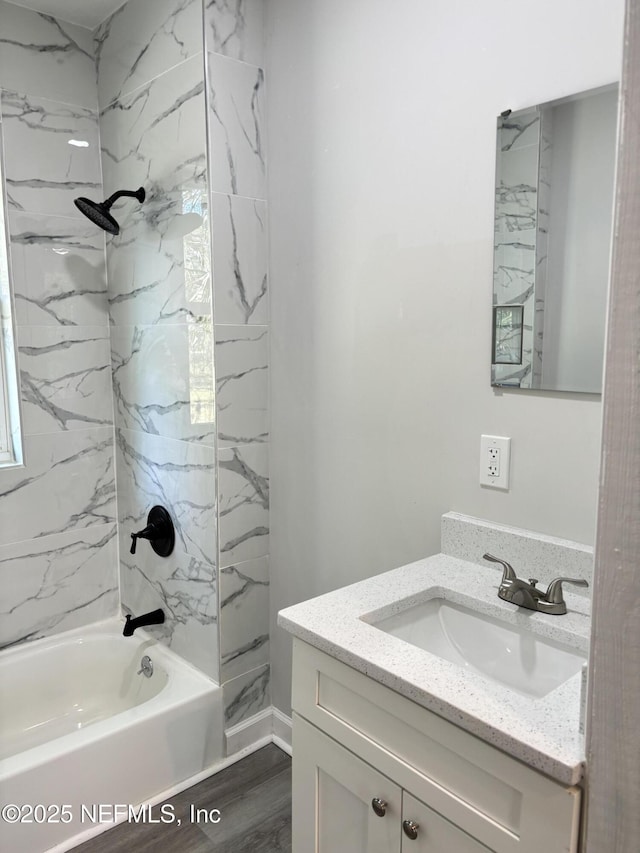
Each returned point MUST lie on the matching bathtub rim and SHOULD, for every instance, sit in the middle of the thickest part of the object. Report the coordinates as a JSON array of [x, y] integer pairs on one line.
[[113, 626]]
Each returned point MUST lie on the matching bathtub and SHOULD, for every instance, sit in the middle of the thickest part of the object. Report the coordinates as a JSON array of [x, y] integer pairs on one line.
[[81, 728]]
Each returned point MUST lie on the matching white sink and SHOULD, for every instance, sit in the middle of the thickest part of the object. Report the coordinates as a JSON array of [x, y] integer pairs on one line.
[[517, 658]]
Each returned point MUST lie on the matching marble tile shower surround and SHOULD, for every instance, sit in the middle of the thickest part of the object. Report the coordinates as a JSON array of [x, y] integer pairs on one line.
[[246, 695], [58, 512], [153, 133], [158, 268], [56, 583], [46, 171], [235, 28], [151, 92], [236, 127], [244, 617], [516, 222], [240, 258], [176, 474], [183, 586], [158, 374], [154, 137], [243, 516], [65, 377], [58, 271], [67, 483], [153, 469], [45, 57], [141, 41], [162, 289], [242, 362]]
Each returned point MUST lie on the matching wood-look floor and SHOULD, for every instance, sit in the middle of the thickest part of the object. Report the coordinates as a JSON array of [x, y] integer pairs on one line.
[[254, 801]]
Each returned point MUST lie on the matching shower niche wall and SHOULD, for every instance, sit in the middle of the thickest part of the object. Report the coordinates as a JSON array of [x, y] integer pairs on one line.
[[144, 355]]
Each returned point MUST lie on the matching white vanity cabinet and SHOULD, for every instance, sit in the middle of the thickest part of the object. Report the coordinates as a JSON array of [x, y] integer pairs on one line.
[[358, 745], [334, 812]]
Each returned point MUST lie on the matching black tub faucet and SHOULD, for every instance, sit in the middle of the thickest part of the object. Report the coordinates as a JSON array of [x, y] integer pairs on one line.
[[154, 617]]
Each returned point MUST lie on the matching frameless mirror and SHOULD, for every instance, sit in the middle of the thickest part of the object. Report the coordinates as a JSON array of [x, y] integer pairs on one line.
[[555, 173]]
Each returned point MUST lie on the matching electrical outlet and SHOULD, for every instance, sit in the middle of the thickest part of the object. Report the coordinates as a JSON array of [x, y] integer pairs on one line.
[[495, 458], [493, 461]]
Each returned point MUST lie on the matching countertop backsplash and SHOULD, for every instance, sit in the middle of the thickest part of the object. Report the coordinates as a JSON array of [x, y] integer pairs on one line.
[[532, 555]]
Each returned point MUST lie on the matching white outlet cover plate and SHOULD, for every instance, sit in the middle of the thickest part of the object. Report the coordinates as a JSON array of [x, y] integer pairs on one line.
[[503, 446]]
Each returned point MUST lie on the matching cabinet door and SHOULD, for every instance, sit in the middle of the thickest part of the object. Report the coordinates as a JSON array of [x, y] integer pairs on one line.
[[434, 834], [333, 792]]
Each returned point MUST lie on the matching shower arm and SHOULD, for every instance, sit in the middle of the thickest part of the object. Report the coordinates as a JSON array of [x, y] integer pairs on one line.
[[120, 193]]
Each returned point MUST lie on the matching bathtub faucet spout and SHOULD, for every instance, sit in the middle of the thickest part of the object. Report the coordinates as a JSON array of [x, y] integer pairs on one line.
[[155, 617]]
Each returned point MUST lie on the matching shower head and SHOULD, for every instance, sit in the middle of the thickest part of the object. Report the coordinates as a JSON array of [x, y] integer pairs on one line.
[[98, 212]]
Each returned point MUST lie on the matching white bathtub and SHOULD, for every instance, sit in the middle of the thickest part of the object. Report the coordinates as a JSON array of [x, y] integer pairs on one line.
[[80, 728]]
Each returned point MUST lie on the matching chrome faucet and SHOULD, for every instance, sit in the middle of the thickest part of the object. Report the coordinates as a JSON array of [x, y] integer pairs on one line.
[[517, 591]]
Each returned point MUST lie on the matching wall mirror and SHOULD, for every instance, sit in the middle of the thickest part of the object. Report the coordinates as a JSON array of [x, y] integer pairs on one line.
[[555, 171]]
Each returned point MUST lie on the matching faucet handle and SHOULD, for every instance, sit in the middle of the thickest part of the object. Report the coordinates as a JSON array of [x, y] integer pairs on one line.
[[159, 531], [554, 592], [508, 574], [134, 542]]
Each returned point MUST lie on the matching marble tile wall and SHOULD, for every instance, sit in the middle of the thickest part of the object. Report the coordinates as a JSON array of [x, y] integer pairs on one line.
[[58, 567], [515, 234], [153, 134], [545, 158], [235, 89]]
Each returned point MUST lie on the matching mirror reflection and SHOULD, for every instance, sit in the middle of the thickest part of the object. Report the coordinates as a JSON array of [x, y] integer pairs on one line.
[[555, 173]]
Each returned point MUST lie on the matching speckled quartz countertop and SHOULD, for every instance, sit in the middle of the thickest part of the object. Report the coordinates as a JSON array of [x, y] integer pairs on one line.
[[542, 732]]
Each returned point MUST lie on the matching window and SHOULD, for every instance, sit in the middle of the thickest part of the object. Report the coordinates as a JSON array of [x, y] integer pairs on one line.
[[10, 444], [6, 450]]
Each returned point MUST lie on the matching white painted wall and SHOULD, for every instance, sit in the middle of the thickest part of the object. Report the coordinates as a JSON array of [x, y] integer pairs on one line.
[[381, 169]]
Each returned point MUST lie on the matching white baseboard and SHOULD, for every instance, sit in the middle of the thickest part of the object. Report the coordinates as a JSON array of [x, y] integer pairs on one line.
[[268, 726], [250, 731], [282, 730]]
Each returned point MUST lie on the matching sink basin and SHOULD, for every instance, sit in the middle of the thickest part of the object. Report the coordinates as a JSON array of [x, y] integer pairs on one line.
[[517, 658]]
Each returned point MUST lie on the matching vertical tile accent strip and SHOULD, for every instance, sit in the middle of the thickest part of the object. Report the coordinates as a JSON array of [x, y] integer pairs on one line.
[[235, 92]]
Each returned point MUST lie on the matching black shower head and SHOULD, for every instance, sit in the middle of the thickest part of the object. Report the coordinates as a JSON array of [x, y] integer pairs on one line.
[[98, 212]]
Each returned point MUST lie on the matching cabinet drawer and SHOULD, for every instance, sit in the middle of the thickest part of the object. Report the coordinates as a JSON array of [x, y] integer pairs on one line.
[[503, 803]]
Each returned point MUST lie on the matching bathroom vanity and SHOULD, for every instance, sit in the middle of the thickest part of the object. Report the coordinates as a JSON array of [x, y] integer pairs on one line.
[[399, 745]]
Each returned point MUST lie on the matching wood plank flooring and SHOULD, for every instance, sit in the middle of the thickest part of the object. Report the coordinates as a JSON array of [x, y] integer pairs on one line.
[[254, 801]]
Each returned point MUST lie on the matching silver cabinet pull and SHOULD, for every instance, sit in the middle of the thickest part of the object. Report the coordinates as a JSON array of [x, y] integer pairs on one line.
[[379, 806], [410, 828]]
